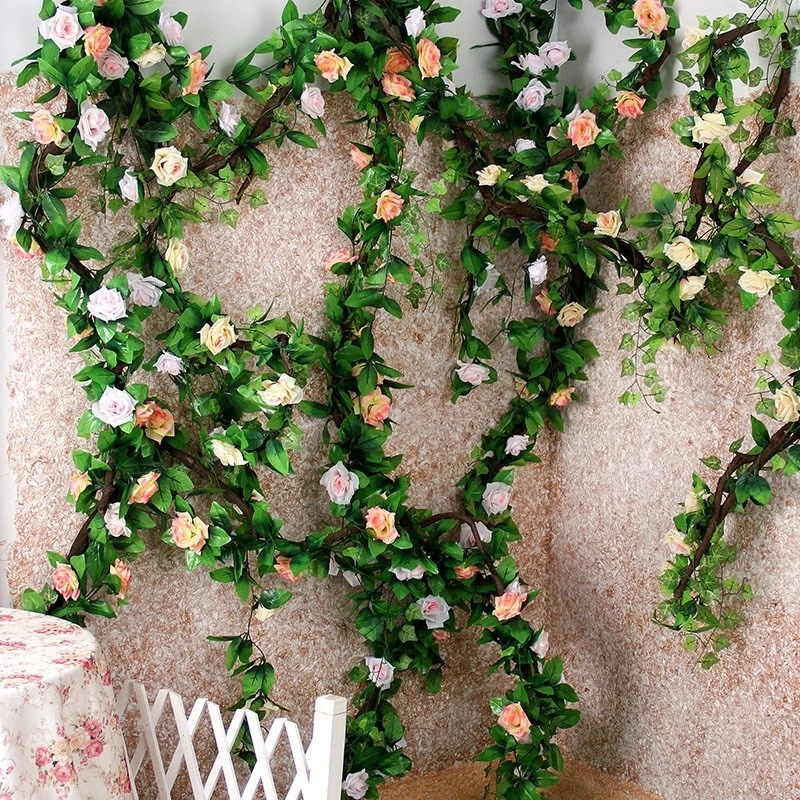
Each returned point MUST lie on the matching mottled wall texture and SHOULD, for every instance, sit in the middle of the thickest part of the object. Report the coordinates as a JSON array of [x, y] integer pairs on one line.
[[593, 514]]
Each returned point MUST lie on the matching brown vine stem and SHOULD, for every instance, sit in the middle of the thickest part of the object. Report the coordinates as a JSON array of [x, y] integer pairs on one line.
[[82, 539], [779, 441]]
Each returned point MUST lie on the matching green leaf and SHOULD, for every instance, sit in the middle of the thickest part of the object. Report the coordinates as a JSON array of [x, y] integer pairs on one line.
[[303, 139], [274, 598], [142, 7], [760, 432], [753, 487], [277, 457], [663, 199], [158, 131]]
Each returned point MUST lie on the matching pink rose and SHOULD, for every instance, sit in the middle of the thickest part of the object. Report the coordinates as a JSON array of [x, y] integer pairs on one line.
[[145, 291], [415, 21], [404, 574], [429, 58], [467, 537], [381, 672], [381, 523], [340, 484], [390, 205], [312, 102], [171, 29], [62, 28], [121, 570], [530, 62], [473, 374], [144, 488], [396, 61], [629, 105], [583, 130], [97, 40], [189, 533], [42, 756], [561, 398], [650, 16], [555, 54], [497, 9], [229, 119], [115, 524], [508, 605], [112, 66], [115, 407], [532, 97], [169, 364], [65, 582], [45, 128], [94, 748], [197, 74], [355, 784], [107, 305], [514, 721], [398, 86], [129, 186], [361, 159], [374, 408], [435, 611], [496, 497], [63, 773], [517, 444]]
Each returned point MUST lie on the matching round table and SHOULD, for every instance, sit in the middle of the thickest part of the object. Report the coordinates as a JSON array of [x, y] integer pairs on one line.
[[60, 738]]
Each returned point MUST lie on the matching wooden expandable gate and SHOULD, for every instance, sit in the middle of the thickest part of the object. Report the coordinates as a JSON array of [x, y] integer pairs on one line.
[[318, 768]]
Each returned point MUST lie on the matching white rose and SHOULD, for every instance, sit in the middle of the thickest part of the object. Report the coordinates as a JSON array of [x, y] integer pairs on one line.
[[693, 36], [169, 364], [145, 291], [709, 127], [489, 282], [107, 305], [692, 504], [537, 271], [355, 784], [474, 374], [115, 524], [488, 176], [608, 223], [496, 497], [555, 54], [169, 165], [171, 28], [676, 542], [757, 282], [542, 644], [93, 125], [115, 407], [681, 251], [228, 454], [497, 9], [467, 537], [571, 315], [381, 672], [312, 102], [751, 177], [152, 56], [535, 183], [177, 257], [129, 187], [12, 215], [62, 28], [532, 63], [524, 144], [517, 444], [404, 574], [282, 392], [229, 118], [532, 97], [435, 611], [112, 66], [415, 22], [340, 484], [787, 405], [691, 286]]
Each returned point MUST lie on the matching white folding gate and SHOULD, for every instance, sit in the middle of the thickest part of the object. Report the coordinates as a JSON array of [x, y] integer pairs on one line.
[[317, 769]]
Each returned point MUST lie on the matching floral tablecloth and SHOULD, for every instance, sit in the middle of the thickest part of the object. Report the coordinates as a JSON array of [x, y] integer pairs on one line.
[[60, 737]]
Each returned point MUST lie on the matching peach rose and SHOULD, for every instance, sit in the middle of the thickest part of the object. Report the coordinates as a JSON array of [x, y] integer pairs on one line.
[[514, 720], [65, 582], [398, 86], [96, 40], [381, 523], [374, 408], [396, 61], [608, 223], [547, 242], [361, 159], [218, 336], [189, 533], [508, 605], [650, 16], [144, 488], [572, 178], [283, 566], [122, 571], [197, 74], [561, 398], [630, 105], [571, 315], [545, 303], [78, 481], [342, 256], [45, 128], [429, 58], [583, 130], [332, 66], [390, 205], [465, 573], [156, 421]]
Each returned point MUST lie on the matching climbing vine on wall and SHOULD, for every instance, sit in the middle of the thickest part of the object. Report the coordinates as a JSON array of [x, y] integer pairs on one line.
[[124, 87]]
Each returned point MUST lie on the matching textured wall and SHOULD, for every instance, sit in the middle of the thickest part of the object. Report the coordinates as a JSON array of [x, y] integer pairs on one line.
[[594, 513]]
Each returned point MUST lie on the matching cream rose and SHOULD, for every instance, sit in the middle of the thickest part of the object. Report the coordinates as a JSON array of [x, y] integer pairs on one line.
[[228, 454], [282, 392], [78, 481], [177, 257], [693, 36], [571, 315], [787, 405], [757, 282], [681, 252], [691, 286], [152, 56], [488, 176], [677, 543], [535, 183], [608, 223], [169, 165], [709, 127], [218, 336]]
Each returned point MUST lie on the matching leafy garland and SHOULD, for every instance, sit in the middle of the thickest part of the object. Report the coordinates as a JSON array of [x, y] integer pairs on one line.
[[513, 174]]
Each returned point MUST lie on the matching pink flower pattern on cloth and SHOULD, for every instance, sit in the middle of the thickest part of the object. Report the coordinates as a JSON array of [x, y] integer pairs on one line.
[[60, 737]]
